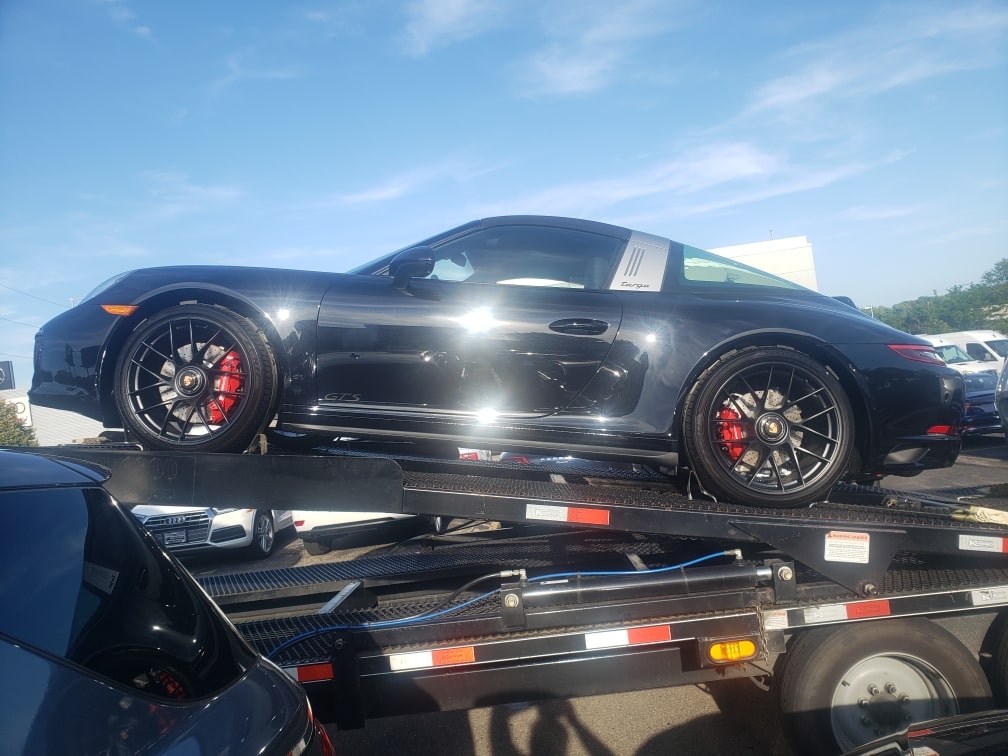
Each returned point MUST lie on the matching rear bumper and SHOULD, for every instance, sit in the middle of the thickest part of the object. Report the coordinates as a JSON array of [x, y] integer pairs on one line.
[[914, 454]]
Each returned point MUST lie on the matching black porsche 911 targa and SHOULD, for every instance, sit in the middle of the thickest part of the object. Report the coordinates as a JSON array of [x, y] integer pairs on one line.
[[517, 333]]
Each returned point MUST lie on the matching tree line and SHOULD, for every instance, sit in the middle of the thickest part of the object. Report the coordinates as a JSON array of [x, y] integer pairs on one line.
[[978, 306]]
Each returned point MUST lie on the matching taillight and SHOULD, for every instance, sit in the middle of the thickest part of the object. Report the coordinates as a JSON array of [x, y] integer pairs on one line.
[[315, 739], [472, 456], [917, 353], [325, 745]]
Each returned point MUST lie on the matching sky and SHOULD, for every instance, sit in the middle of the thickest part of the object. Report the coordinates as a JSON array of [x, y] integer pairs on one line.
[[319, 135]]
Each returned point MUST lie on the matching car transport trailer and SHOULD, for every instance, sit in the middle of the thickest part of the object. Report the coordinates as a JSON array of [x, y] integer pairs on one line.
[[865, 613]]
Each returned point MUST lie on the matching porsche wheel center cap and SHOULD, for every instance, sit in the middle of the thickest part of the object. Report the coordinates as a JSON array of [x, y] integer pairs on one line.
[[772, 428], [190, 381]]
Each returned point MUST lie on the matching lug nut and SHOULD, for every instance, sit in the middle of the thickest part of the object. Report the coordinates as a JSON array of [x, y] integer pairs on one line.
[[873, 690], [890, 688]]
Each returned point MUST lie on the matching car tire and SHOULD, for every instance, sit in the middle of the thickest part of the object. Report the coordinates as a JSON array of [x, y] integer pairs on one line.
[[317, 548], [196, 378], [263, 534], [839, 687], [769, 427]]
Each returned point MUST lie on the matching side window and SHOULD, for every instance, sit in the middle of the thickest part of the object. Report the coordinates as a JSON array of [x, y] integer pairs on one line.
[[706, 268], [977, 352], [528, 256]]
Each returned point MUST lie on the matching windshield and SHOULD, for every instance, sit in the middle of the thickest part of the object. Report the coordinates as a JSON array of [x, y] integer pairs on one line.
[[1000, 346], [952, 354]]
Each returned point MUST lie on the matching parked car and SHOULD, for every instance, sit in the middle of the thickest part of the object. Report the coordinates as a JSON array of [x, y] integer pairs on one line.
[[107, 644], [956, 357], [551, 334], [183, 529], [321, 532], [980, 413], [984, 346], [1001, 398]]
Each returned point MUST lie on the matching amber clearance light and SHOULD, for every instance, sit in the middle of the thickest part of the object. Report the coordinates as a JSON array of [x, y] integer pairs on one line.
[[120, 310], [727, 651]]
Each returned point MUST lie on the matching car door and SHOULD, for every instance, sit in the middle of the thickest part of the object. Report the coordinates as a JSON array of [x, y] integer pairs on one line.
[[511, 320]]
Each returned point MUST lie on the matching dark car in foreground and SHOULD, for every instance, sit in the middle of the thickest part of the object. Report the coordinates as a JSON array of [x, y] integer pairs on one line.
[[109, 647], [524, 332]]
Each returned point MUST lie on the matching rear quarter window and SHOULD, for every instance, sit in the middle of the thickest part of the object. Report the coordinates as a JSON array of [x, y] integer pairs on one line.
[[706, 269]]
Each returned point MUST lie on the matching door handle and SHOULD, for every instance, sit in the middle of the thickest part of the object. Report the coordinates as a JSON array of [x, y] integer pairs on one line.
[[579, 326]]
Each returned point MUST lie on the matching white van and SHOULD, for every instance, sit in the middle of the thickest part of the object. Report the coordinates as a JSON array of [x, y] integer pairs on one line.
[[989, 347], [955, 357]]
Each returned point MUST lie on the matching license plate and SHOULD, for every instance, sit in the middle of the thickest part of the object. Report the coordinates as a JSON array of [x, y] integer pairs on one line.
[[171, 537]]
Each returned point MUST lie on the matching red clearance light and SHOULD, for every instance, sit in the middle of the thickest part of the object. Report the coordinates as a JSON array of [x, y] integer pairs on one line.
[[941, 430], [917, 353]]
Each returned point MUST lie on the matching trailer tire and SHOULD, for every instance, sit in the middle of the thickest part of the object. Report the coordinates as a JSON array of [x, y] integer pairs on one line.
[[997, 646], [839, 687]]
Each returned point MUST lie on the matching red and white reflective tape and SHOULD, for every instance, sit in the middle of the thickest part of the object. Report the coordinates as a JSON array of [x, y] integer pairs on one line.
[[986, 544], [630, 636], [440, 657], [553, 513], [310, 672], [781, 619]]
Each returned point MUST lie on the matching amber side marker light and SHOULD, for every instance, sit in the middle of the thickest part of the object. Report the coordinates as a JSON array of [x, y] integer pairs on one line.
[[731, 651], [121, 310]]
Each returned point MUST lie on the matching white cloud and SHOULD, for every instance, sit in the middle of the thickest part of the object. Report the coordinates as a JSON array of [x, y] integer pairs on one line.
[[877, 212], [901, 45], [411, 182], [437, 23], [123, 16], [174, 194], [238, 70], [722, 167], [592, 43]]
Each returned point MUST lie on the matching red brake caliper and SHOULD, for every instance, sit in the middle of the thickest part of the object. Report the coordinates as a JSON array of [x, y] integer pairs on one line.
[[731, 432], [228, 383]]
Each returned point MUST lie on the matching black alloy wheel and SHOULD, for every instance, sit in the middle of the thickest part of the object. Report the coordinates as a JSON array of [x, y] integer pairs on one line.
[[196, 377], [768, 427]]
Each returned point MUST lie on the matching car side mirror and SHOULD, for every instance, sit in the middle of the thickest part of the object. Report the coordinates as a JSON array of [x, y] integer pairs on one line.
[[415, 262]]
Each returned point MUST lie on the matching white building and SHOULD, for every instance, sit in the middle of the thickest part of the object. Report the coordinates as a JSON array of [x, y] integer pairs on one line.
[[52, 426], [789, 258]]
